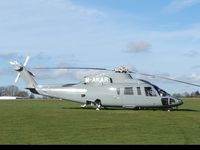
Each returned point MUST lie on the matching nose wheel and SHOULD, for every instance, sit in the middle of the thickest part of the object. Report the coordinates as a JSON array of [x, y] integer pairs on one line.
[[169, 109]]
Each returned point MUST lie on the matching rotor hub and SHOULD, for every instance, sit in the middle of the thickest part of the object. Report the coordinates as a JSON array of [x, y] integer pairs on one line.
[[121, 69]]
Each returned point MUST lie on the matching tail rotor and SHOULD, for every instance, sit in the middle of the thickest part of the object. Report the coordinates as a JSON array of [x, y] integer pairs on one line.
[[19, 67], [26, 61], [17, 78]]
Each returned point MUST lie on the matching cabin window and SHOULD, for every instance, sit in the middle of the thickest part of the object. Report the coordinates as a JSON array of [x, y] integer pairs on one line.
[[82, 95], [139, 91], [149, 91], [111, 81], [118, 91], [128, 91]]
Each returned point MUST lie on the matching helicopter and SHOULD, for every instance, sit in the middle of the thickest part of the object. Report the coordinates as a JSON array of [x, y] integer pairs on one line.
[[113, 88]]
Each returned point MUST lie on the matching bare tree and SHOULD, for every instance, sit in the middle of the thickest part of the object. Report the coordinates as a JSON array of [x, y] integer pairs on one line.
[[12, 90]]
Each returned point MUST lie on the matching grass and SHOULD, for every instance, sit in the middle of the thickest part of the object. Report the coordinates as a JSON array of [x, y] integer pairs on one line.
[[63, 122]]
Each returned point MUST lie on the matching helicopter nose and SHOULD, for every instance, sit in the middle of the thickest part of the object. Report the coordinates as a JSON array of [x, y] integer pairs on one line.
[[180, 102]]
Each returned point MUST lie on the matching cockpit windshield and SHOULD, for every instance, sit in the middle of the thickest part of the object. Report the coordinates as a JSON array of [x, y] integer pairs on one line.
[[160, 91]]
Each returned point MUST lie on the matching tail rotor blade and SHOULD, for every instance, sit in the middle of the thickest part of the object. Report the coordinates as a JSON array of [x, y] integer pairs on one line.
[[26, 61], [17, 78], [12, 63]]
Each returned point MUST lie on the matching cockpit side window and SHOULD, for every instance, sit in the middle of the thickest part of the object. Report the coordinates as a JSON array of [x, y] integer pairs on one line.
[[149, 91]]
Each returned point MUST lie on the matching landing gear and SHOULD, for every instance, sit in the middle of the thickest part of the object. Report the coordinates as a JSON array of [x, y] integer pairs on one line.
[[96, 103], [86, 104], [98, 107]]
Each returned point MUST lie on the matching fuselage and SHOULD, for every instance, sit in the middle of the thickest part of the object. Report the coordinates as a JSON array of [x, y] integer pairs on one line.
[[113, 89]]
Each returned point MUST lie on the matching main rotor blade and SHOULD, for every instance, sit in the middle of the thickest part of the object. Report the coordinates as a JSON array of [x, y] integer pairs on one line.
[[166, 78], [49, 68]]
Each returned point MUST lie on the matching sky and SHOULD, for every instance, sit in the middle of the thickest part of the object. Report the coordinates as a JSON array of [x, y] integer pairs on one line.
[[159, 37]]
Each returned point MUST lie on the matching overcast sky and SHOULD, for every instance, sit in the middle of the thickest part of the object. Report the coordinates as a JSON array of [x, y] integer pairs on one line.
[[152, 36]]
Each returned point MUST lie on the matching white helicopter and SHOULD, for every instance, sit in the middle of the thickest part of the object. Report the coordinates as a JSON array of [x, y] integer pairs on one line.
[[113, 88]]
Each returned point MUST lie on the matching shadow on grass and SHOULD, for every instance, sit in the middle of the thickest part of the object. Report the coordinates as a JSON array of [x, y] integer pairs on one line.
[[119, 108], [193, 110], [94, 108]]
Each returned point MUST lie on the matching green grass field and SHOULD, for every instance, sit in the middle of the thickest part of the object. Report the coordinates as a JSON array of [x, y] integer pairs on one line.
[[63, 122]]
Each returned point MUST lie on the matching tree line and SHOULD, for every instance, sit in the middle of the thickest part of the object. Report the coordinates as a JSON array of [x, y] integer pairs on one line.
[[187, 94], [13, 90]]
